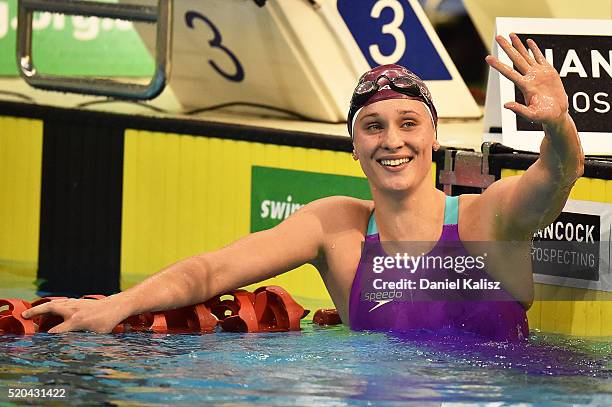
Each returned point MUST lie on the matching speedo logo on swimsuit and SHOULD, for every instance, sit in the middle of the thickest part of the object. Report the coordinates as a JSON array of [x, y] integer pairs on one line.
[[279, 210]]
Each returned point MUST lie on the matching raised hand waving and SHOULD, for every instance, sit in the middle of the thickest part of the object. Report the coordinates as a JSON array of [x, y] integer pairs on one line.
[[545, 99]]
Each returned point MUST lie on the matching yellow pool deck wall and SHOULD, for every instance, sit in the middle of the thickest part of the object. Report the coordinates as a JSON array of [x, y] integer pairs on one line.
[[184, 195], [20, 180]]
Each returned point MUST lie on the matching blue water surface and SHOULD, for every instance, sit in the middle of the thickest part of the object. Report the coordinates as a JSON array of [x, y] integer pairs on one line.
[[319, 366]]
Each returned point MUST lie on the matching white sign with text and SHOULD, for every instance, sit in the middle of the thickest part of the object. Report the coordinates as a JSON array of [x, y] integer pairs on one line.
[[574, 250], [581, 51]]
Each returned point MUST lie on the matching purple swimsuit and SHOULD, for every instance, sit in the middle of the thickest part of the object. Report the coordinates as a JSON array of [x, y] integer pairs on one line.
[[490, 313]]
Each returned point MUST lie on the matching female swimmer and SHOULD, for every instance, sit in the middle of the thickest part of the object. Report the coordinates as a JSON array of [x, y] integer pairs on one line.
[[392, 121]]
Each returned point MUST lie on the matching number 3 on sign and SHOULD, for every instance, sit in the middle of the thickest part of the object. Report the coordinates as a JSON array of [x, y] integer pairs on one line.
[[217, 42], [392, 28]]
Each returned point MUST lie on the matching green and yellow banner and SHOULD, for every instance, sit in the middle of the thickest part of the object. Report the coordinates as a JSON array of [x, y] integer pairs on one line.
[[276, 193]]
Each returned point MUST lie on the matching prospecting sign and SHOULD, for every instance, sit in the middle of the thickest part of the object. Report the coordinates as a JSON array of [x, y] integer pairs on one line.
[[277, 193], [574, 250], [581, 51]]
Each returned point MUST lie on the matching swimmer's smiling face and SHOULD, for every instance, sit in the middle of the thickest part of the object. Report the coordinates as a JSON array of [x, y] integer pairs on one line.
[[393, 140]]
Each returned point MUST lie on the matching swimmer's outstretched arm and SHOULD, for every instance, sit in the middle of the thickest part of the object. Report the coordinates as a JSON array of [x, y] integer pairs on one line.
[[533, 200], [254, 258]]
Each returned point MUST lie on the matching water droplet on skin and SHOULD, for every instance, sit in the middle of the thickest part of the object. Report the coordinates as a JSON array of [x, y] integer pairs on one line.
[[333, 246]]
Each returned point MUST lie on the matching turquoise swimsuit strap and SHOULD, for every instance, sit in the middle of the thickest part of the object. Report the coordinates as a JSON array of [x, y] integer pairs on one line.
[[372, 229], [451, 210], [451, 214]]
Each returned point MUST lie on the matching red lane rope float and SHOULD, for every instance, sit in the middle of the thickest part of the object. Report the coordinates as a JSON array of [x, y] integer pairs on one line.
[[196, 318], [11, 320], [135, 323], [242, 317], [268, 309], [276, 311], [327, 317]]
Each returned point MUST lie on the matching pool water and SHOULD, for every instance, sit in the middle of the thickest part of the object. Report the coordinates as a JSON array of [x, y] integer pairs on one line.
[[319, 366]]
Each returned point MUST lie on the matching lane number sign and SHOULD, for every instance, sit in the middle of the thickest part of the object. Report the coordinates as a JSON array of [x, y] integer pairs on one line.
[[390, 32]]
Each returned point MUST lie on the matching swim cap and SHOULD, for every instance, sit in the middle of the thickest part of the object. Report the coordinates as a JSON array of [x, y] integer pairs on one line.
[[398, 83]]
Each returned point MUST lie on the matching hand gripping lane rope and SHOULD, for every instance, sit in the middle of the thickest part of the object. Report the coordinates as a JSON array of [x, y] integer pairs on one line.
[[267, 309]]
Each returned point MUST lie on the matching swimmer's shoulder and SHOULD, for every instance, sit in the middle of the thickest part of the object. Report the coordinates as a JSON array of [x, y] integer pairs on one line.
[[477, 220], [340, 213]]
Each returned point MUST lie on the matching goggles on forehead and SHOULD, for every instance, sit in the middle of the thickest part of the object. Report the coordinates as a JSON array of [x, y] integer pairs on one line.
[[403, 84]]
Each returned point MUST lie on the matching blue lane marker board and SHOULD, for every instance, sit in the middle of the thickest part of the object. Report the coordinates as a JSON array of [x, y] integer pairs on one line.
[[389, 31]]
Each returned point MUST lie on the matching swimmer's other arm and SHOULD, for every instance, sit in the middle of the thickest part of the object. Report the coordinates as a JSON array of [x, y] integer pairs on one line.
[[533, 200], [254, 258]]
